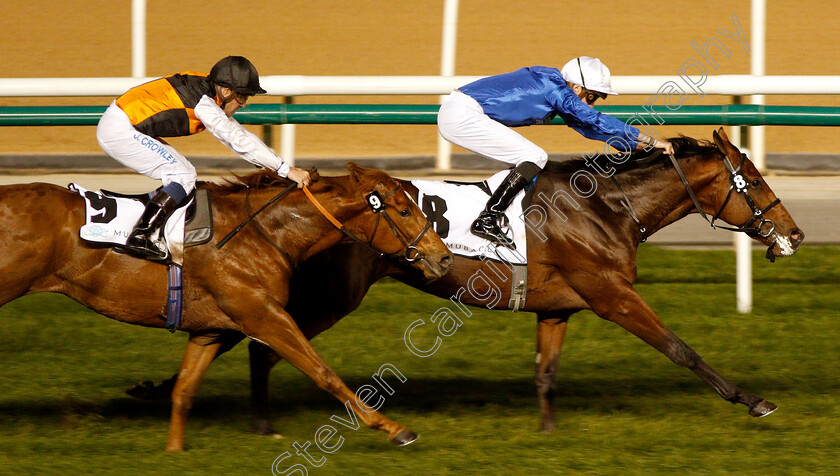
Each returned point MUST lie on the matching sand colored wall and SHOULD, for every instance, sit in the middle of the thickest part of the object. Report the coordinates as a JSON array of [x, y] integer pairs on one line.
[[64, 38]]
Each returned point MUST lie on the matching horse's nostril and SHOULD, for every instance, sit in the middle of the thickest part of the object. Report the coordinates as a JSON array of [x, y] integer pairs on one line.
[[446, 261], [796, 236]]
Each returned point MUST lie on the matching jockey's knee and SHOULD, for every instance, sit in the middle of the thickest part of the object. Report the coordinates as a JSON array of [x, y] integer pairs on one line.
[[185, 176], [176, 191], [536, 156], [529, 169]]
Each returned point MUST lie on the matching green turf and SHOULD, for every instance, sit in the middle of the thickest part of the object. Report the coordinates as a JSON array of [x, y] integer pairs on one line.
[[622, 408]]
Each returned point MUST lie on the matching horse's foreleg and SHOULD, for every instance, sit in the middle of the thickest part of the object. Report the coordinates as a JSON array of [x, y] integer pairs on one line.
[[551, 328], [262, 360], [276, 328], [625, 307], [201, 350]]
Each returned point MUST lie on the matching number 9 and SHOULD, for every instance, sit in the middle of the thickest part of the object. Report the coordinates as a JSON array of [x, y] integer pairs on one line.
[[375, 201]]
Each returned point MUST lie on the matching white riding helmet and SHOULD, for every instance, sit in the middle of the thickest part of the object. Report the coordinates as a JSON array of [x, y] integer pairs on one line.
[[590, 73]]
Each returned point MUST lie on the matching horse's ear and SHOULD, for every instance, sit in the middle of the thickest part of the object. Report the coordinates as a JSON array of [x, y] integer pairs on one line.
[[356, 172], [722, 141]]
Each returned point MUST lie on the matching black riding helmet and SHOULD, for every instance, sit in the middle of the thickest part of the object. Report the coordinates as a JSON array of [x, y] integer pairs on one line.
[[238, 74]]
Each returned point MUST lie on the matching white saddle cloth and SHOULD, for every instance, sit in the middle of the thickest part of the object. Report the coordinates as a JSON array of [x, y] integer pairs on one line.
[[453, 207], [110, 219]]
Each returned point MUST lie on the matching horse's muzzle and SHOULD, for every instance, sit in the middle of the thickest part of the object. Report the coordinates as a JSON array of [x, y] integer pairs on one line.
[[785, 245], [439, 267]]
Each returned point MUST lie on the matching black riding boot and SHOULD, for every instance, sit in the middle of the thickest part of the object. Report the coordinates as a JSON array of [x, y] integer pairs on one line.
[[153, 218], [489, 225]]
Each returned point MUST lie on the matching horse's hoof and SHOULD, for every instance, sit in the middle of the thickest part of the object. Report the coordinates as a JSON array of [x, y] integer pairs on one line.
[[263, 427], [142, 390], [405, 437], [762, 409]]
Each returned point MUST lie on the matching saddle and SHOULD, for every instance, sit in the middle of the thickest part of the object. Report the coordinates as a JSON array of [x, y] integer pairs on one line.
[[452, 206], [110, 217]]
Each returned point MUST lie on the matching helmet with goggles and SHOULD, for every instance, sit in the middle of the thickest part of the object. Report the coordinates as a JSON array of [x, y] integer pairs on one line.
[[590, 73]]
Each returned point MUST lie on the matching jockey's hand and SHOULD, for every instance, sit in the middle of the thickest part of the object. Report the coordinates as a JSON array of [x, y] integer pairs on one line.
[[669, 148], [300, 176]]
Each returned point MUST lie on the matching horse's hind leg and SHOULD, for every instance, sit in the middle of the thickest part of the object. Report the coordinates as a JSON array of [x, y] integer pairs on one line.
[[551, 328], [147, 390], [625, 307], [201, 350], [262, 360]]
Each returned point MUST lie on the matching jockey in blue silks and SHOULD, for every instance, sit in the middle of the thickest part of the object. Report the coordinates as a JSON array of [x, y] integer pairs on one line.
[[480, 115]]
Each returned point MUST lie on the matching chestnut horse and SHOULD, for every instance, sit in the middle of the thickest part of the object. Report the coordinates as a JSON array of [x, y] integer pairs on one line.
[[242, 287], [582, 259]]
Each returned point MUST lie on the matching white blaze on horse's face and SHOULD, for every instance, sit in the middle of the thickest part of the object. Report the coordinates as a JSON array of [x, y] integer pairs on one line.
[[785, 246]]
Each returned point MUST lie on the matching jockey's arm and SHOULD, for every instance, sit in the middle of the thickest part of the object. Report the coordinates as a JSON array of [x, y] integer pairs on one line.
[[646, 142], [246, 144]]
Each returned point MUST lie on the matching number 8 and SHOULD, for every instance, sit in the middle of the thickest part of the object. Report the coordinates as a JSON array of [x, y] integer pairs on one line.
[[740, 183]]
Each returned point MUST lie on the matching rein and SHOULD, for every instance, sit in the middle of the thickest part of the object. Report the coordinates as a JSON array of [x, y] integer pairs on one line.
[[251, 216]]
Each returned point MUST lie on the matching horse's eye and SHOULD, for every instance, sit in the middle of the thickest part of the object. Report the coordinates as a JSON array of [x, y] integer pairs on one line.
[[405, 212], [755, 183]]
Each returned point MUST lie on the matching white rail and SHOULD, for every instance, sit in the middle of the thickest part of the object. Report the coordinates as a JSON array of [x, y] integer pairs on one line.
[[725, 85]]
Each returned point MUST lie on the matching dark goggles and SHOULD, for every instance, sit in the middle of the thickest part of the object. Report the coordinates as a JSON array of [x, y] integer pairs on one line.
[[591, 96]]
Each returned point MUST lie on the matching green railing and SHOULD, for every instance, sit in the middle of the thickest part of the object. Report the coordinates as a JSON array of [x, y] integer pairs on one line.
[[266, 114]]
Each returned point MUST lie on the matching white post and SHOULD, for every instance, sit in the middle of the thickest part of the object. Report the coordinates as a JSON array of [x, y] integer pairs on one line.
[[743, 243], [287, 138], [138, 38], [743, 252], [743, 280], [447, 68], [758, 23]]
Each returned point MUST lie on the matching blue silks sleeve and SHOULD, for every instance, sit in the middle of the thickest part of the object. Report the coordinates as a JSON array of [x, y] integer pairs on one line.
[[591, 123]]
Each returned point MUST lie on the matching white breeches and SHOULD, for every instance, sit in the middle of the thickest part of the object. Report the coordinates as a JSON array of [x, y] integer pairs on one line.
[[120, 140], [462, 121]]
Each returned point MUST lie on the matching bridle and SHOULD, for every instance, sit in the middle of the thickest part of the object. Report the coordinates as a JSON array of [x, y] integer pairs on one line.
[[757, 224], [377, 205]]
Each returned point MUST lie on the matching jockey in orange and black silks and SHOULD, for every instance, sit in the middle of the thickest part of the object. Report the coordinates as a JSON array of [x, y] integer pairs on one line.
[[166, 107], [132, 128]]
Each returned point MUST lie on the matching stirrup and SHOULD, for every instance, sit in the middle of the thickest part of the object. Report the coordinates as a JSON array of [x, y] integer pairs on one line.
[[487, 226], [146, 249]]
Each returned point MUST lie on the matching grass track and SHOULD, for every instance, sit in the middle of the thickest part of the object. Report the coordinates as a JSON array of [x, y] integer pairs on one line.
[[622, 407]]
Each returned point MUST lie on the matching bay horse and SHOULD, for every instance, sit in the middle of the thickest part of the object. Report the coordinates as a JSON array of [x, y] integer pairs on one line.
[[242, 287], [584, 258]]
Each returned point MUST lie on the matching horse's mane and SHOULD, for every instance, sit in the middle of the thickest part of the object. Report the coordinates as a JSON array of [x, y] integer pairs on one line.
[[683, 147], [259, 179]]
